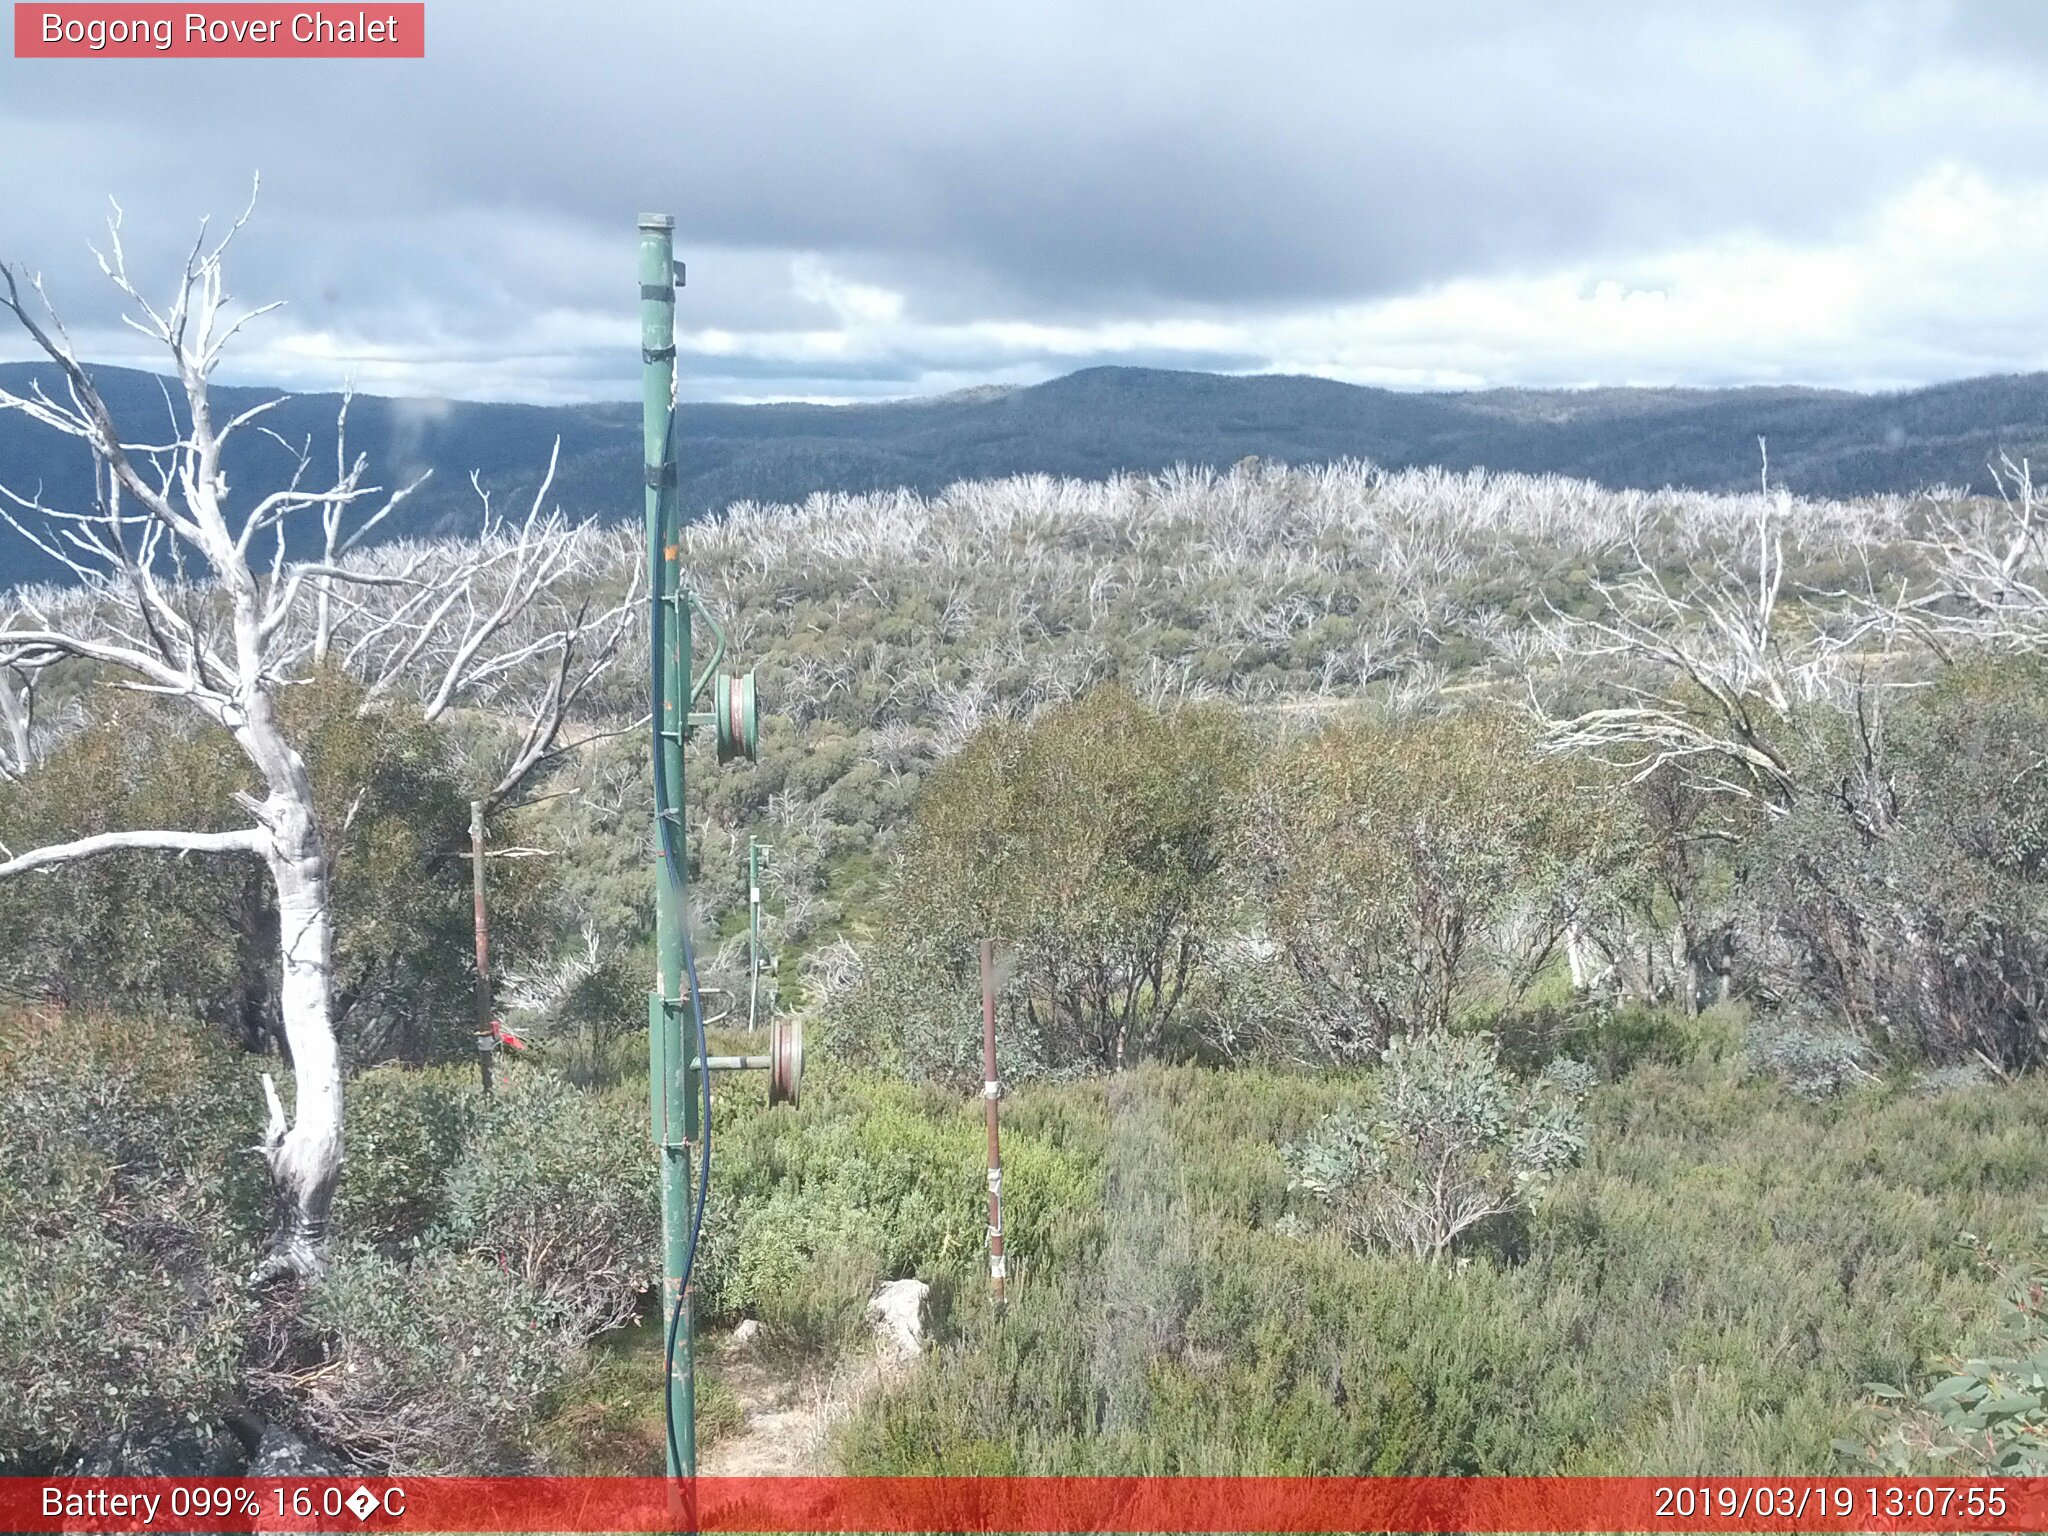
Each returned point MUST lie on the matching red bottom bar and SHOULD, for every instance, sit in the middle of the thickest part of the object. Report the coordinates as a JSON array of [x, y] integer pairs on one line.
[[1021, 1504]]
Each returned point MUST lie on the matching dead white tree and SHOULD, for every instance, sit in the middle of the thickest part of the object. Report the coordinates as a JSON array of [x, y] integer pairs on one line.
[[1989, 563], [1710, 675], [194, 597], [1723, 678]]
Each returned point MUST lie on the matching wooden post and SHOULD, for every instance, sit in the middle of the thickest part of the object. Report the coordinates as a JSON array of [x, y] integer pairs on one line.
[[991, 1092], [486, 1045]]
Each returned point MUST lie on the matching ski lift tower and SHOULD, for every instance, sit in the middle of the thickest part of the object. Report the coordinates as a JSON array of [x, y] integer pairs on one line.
[[678, 1060]]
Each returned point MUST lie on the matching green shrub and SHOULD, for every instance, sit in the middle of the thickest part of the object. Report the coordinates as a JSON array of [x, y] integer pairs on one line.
[[405, 1131], [1087, 841], [1814, 1060], [605, 1001], [130, 1213], [1906, 892], [197, 937], [1960, 1078], [1613, 1037], [1705, 1293], [820, 1313], [555, 1186], [1988, 1417], [136, 929], [434, 1366], [396, 823], [871, 1180], [1413, 872], [868, 1169], [1446, 1141]]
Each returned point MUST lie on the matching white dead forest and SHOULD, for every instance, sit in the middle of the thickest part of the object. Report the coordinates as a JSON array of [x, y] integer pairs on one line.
[[1476, 947]]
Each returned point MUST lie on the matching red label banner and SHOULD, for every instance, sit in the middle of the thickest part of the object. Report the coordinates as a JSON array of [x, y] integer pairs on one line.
[[1021, 1504], [366, 29]]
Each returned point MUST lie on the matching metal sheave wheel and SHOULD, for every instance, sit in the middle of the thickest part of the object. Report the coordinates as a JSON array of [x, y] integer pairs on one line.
[[785, 1061], [737, 723]]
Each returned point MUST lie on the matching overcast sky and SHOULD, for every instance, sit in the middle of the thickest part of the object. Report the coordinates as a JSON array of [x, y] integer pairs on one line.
[[881, 199]]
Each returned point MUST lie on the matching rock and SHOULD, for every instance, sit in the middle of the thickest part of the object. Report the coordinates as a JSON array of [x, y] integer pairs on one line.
[[280, 1453], [188, 1451], [897, 1312], [745, 1336]]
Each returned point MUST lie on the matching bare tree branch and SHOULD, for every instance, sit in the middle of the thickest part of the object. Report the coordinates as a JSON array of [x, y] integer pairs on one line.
[[244, 841]]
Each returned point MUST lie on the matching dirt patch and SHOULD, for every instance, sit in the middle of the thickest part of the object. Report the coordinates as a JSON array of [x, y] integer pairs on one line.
[[790, 1415], [788, 1421]]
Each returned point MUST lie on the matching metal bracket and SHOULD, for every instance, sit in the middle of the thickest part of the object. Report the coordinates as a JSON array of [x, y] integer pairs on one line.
[[714, 1019]]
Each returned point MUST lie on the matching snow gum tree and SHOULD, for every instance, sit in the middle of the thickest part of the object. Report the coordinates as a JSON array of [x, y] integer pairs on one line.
[[187, 592]]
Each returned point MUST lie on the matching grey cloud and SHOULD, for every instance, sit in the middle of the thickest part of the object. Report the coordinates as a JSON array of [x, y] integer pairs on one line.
[[1059, 161]]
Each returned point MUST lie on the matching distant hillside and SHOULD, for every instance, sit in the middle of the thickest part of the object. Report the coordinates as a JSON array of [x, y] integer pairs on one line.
[[1823, 443]]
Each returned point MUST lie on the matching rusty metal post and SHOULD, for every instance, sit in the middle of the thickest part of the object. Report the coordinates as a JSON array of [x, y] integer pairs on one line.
[[992, 1092], [486, 1044]]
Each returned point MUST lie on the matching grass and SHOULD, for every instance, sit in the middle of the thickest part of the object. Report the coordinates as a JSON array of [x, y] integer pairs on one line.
[[608, 1420]]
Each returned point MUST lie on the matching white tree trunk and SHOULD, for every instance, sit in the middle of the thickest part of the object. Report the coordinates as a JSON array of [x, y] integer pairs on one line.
[[1575, 957], [305, 1153], [15, 745], [305, 1159], [1685, 961]]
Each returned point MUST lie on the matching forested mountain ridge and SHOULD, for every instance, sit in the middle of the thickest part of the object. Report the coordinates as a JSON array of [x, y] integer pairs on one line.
[[1090, 424]]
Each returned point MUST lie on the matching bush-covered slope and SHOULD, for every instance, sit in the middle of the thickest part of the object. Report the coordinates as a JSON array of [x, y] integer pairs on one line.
[[1268, 744]]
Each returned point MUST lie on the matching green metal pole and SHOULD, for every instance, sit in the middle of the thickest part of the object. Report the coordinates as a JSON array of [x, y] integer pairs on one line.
[[672, 1102]]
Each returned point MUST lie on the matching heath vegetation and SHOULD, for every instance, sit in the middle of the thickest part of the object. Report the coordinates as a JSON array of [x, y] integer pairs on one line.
[[1498, 975]]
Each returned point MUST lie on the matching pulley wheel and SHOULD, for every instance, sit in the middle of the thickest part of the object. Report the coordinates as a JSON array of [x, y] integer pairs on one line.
[[737, 724], [785, 1061]]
